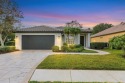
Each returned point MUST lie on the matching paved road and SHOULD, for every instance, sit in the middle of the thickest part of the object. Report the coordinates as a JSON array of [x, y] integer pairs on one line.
[[17, 67], [79, 75]]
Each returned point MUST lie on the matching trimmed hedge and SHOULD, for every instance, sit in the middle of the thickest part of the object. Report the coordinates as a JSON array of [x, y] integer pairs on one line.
[[98, 45], [10, 43], [7, 49]]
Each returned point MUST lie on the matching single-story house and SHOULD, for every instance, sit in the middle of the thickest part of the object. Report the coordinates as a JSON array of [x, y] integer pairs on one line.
[[44, 37], [106, 35]]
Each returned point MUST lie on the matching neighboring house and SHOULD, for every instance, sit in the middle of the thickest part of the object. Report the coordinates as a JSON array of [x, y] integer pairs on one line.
[[106, 35], [44, 37]]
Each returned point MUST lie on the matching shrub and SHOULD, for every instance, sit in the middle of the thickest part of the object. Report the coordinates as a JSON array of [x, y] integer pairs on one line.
[[72, 48], [3, 49], [80, 49], [118, 42], [75, 49], [78, 46], [65, 44], [10, 43], [98, 45], [115, 42], [64, 48], [7, 49], [55, 48], [11, 48]]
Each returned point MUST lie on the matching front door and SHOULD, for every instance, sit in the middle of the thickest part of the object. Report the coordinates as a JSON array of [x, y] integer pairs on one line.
[[82, 40]]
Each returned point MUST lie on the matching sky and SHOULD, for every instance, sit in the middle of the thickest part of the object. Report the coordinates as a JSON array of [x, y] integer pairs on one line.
[[58, 12]]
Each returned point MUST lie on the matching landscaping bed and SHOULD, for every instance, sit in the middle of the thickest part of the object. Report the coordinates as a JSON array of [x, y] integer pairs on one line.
[[72, 49], [7, 49], [83, 51], [113, 61]]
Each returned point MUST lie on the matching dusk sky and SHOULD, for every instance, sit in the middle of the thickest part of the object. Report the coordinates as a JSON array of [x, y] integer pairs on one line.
[[58, 12]]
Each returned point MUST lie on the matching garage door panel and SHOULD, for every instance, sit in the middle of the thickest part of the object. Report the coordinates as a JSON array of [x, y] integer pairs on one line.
[[37, 41]]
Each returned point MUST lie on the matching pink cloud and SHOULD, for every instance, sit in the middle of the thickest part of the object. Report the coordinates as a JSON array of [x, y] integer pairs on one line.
[[92, 17], [29, 24], [86, 20]]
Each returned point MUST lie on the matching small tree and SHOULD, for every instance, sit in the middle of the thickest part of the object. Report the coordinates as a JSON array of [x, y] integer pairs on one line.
[[72, 31], [72, 28], [9, 18]]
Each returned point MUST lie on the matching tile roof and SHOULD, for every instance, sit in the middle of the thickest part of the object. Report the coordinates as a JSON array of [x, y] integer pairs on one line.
[[114, 29], [39, 29], [82, 29], [45, 29]]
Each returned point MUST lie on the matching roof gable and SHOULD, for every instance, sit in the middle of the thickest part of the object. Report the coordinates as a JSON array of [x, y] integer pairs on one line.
[[114, 29]]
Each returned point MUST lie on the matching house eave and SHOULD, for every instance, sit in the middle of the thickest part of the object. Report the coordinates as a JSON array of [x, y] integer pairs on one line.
[[106, 34], [47, 32], [38, 32]]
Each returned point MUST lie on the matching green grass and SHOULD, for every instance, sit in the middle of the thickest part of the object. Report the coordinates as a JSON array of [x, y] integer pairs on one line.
[[65, 82], [89, 51], [111, 61], [114, 51]]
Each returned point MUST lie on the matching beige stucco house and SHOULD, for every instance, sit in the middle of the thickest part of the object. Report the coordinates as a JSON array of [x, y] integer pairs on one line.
[[44, 37], [106, 35]]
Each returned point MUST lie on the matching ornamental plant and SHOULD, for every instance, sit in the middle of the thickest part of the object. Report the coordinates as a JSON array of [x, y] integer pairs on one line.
[[72, 31], [118, 42]]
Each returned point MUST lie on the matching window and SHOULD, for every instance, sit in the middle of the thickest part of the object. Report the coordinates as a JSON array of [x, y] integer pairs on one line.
[[70, 39]]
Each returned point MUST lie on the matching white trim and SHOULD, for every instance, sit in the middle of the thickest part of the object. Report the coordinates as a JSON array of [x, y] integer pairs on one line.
[[88, 40]]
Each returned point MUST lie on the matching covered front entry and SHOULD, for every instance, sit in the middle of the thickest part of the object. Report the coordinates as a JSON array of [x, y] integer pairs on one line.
[[82, 40], [85, 39], [37, 42]]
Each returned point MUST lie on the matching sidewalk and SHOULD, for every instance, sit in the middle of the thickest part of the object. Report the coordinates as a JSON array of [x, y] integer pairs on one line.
[[99, 52], [79, 75]]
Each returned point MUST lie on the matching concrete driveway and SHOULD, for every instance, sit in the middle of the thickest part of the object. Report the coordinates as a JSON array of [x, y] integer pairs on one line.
[[17, 67]]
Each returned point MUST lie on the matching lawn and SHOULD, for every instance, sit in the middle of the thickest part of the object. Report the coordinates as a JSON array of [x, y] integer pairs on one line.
[[64, 82], [113, 61], [89, 51]]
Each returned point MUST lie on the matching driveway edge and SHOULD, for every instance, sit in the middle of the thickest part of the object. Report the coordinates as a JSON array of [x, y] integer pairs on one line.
[[28, 77]]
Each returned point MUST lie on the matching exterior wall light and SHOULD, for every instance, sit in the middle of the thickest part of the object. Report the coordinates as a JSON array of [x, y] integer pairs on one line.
[[58, 36]]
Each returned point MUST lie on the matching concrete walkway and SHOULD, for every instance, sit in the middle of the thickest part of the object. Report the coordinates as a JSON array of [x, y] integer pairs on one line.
[[79, 75], [99, 52], [17, 67]]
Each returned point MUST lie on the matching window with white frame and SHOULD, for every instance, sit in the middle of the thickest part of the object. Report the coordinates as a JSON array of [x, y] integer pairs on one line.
[[70, 39]]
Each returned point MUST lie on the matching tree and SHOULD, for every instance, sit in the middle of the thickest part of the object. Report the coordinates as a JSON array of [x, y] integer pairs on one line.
[[100, 27], [9, 18], [72, 29]]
